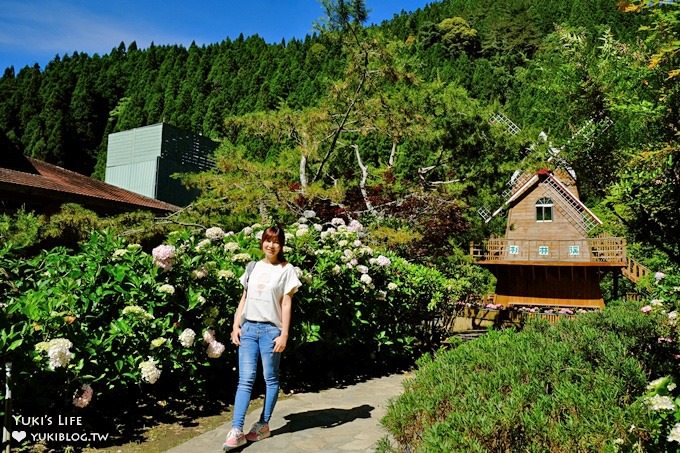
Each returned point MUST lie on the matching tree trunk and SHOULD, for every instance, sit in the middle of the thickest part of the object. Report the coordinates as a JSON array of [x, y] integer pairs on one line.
[[362, 183]]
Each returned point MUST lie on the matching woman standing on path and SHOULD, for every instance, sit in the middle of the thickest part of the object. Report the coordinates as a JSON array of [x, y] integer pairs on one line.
[[261, 326]]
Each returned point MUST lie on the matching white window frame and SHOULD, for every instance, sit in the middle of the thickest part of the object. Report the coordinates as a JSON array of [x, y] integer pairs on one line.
[[544, 205]]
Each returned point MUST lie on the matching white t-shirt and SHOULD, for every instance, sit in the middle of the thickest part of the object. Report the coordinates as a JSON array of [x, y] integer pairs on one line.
[[267, 285]]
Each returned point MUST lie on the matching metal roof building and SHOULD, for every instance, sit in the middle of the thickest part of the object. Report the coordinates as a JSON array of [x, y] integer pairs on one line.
[[142, 160]]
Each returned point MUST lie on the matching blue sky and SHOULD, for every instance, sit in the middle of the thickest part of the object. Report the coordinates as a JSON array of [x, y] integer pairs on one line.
[[34, 31]]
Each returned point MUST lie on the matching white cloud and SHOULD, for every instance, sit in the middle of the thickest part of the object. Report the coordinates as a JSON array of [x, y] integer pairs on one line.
[[50, 26]]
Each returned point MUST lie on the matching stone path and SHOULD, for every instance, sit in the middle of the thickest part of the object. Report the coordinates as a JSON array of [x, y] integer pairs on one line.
[[331, 421]]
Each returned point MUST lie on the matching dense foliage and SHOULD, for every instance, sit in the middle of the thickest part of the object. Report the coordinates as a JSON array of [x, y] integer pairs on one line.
[[579, 385], [374, 114], [110, 325]]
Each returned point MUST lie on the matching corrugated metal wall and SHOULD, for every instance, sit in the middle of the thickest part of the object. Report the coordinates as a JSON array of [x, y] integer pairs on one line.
[[143, 159]]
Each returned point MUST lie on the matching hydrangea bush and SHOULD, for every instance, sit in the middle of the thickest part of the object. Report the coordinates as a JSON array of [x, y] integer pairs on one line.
[[112, 322]]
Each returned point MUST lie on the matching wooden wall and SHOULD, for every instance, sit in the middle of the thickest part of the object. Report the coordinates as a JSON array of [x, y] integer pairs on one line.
[[522, 222], [569, 286]]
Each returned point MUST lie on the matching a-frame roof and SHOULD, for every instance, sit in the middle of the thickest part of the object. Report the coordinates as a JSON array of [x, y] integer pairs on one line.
[[529, 182]]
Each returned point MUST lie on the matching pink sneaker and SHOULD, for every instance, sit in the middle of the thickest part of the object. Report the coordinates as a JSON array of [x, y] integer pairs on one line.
[[259, 431], [235, 438]]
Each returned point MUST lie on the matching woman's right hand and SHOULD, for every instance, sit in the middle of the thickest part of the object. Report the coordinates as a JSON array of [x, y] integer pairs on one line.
[[236, 336]]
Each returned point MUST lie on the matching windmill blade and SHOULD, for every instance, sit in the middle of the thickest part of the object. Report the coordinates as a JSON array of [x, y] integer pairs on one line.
[[502, 120]]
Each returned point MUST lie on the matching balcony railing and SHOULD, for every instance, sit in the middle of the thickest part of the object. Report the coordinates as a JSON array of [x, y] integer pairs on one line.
[[594, 250]]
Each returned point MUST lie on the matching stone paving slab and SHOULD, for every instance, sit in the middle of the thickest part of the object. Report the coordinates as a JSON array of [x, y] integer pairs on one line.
[[343, 420]]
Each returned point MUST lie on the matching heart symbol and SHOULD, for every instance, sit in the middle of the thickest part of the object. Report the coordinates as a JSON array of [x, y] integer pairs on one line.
[[19, 435]]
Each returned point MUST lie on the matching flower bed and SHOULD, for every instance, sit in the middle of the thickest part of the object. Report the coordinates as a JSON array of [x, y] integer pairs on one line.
[[110, 325]]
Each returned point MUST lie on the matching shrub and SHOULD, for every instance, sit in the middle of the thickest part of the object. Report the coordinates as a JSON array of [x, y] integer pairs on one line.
[[569, 387], [114, 323]]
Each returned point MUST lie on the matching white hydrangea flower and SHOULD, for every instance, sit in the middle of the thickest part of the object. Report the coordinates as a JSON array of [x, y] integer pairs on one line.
[[674, 434], [343, 243], [158, 342], [302, 220], [659, 276], [354, 226], [289, 237], [324, 235], [231, 247], [363, 269], [366, 279], [150, 373], [117, 254], [137, 312], [660, 403], [657, 382], [167, 289], [200, 273], [656, 303], [356, 243], [337, 221], [187, 337], [287, 249], [382, 295], [309, 214], [336, 269], [318, 227], [242, 257], [392, 286], [59, 353], [225, 274], [301, 232], [202, 244], [214, 233], [247, 231], [383, 261], [331, 231]]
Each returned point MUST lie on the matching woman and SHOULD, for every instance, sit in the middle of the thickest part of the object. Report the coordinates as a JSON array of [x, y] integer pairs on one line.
[[261, 326]]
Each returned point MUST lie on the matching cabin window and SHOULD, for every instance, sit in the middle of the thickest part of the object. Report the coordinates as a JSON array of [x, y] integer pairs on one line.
[[544, 210], [543, 250], [574, 250], [514, 249]]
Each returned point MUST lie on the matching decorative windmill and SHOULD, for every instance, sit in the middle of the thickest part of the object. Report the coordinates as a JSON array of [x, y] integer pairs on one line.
[[585, 136], [546, 256]]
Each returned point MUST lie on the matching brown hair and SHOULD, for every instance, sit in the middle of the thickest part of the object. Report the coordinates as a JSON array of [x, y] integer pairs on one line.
[[276, 234]]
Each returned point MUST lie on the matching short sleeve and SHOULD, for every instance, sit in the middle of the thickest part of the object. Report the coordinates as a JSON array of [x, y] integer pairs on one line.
[[292, 282]]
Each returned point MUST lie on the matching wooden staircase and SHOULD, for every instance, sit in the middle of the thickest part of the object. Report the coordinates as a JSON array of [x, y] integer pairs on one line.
[[634, 271]]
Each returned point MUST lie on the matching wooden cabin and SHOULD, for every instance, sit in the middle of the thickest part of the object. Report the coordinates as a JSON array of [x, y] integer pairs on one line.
[[546, 257]]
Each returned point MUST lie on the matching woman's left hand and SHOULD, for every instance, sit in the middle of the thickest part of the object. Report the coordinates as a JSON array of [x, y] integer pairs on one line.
[[280, 343]]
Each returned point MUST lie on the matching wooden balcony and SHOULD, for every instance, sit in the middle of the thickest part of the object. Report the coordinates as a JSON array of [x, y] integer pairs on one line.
[[601, 251]]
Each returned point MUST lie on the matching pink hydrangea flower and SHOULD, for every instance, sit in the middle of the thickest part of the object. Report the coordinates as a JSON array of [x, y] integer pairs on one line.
[[215, 349], [646, 309], [82, 397], [163, 256]]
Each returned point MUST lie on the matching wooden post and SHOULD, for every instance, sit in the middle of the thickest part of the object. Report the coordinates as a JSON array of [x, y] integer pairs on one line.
[[615, 289]]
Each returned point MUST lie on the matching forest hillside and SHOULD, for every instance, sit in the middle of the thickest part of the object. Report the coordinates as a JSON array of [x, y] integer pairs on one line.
[[392, 121]]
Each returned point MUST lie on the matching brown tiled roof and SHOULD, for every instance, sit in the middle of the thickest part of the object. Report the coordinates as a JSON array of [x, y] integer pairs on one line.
[[58, 183]]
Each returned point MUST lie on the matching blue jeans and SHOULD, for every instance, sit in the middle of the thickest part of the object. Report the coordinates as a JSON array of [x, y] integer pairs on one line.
[[257, 341]]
